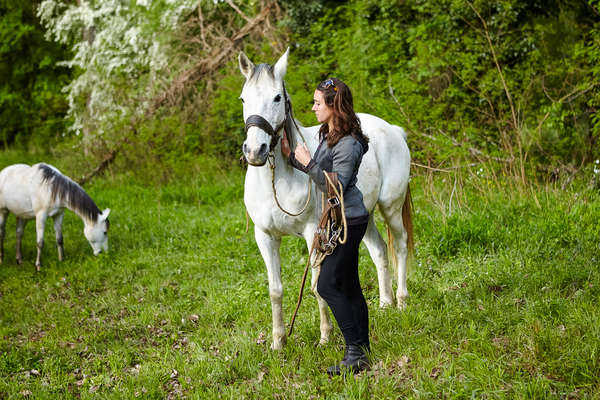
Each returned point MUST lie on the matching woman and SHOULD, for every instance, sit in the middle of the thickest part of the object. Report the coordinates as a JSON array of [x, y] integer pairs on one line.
[[342, 145]]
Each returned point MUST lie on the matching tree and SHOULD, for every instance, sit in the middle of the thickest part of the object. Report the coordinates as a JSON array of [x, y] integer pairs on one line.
[[31, 102], [120, 48]]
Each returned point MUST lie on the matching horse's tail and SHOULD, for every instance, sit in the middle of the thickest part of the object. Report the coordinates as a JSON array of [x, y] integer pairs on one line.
[[408, 226], [407, 221], [401, 131]]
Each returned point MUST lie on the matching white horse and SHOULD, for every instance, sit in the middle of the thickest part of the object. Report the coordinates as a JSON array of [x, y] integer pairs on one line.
[[41, 191], [383, 179]]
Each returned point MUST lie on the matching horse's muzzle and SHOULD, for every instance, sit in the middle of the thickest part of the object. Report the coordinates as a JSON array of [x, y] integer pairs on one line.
[[258, 157]]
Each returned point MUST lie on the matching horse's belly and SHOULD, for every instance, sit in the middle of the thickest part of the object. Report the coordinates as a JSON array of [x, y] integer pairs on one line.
[[19, 205], [369, 183], [14, 190]]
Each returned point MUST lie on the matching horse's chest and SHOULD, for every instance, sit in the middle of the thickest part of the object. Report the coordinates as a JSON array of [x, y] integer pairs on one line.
[[264, 213], [268, 216]]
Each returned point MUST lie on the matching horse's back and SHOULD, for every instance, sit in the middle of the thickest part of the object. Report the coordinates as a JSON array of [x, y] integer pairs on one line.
[[20, 189], [384, 172]]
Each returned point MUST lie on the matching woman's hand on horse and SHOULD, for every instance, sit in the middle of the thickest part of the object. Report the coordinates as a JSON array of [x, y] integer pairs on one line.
[[302, 154], [285, 146]]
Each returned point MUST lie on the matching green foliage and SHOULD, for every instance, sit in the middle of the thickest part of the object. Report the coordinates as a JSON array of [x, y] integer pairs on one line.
[[220, 130], [300, 14], [32, 105], [430, 67]]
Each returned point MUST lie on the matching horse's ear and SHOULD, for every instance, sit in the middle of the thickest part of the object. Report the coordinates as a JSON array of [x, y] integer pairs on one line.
[[105, 214], [281, 65], [246, 66]]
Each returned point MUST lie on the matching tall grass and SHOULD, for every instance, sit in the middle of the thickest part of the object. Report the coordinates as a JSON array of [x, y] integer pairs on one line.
[[503, 304]]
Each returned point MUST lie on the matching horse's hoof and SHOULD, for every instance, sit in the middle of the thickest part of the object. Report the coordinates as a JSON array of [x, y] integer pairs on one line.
[[277, 344], [386, 303], [38, 267], [401, 303]]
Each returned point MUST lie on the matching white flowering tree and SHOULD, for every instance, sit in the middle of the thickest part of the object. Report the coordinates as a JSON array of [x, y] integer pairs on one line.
[[147, 72], [121, 51]]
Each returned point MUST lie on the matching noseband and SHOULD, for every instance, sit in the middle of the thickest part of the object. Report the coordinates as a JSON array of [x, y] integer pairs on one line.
[[260, 122]]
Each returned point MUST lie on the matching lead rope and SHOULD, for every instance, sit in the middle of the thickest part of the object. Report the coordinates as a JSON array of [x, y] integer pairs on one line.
[[321, 255], [272, 165], [288, 114]]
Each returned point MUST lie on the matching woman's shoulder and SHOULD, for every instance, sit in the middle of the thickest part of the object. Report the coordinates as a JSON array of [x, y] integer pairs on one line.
[[347, 143]]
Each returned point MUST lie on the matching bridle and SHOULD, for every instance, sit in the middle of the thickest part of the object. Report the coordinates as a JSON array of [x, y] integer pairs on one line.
[[260, 122]]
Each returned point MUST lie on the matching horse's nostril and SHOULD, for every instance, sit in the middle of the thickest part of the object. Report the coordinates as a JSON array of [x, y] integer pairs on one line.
[[245, 148], [263, 148]]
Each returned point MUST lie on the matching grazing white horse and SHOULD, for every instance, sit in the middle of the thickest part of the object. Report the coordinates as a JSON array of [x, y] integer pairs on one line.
[[383, 179], [41, 191]]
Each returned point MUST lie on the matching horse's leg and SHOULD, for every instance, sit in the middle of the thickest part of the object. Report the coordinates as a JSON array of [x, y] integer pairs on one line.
[[378, 251], [325, 325], [393, 218], [20, 225], [269, 249], [58, 220], [40, 223], [3, 215]]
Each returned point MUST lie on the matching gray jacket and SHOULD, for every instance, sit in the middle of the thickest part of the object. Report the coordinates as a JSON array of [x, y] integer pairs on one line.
[[344, 158]]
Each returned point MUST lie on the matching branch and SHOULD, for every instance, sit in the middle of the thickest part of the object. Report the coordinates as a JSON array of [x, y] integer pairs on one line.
[[451, 169], [221, 51], [101, 167], [237, 10]]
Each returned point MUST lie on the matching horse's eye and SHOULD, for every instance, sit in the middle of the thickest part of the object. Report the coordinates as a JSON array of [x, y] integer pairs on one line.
[[242, 99], [277, 98]]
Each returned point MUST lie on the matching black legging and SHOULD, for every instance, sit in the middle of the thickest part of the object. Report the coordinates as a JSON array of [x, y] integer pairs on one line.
[[339, 285]]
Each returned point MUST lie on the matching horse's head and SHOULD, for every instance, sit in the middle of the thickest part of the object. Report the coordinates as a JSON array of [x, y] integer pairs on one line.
[[96, 232], [264, 101]]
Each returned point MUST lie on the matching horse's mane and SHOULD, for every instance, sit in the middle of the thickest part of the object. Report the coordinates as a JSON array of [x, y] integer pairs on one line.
[[65, 189], [260, 70]]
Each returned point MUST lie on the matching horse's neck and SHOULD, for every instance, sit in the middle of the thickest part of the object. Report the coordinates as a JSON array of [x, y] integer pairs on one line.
[[84, 217], [283, 169], [82, 208]]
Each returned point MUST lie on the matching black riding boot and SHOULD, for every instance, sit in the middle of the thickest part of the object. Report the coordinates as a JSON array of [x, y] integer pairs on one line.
[[355, 360]]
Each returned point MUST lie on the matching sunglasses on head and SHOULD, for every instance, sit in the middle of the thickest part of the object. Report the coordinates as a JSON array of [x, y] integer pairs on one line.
[[329, 83]]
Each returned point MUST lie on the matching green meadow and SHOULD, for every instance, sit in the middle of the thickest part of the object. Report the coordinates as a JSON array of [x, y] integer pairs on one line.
[[504, 290]]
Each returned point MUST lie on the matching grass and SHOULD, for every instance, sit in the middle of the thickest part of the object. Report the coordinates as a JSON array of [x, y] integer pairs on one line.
[[504, 292]]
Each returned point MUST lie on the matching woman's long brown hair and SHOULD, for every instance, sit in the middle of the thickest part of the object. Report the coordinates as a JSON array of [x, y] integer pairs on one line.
[[338, 97]]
